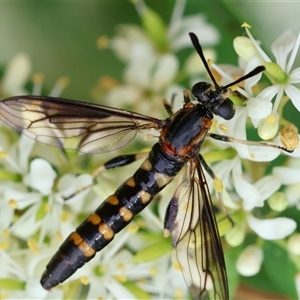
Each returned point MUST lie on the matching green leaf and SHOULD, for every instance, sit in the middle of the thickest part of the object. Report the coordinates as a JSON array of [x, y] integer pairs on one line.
[[156, 28], [234, 277], [135, 290], [153, 251], [277, 272], [42, 211], [11, 284]]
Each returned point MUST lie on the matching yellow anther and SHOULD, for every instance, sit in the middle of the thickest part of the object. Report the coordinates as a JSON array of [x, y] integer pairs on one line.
[[38, 78], [13, 203], [176, 265], [84, 280], [33, 246], [58, 236], [6, 233], [102, 42], [218, 185], [121, 278], [63, 82], [47, 207], [153, 271], [64, 216], [3, 154], [4, 246], [223, 127], [245, 24], [133, 228]]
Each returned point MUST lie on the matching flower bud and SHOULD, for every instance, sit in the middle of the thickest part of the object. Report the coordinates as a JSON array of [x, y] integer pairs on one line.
[[250, 260], [268, 127]]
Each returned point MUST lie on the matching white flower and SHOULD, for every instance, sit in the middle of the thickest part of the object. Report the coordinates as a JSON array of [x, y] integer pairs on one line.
[[21, 271], [180, 26], [149, 52], [281, 74], [41, 176], [272, 229]]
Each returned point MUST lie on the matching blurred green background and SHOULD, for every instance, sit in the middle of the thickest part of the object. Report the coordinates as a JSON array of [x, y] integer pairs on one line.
[[60, 37]]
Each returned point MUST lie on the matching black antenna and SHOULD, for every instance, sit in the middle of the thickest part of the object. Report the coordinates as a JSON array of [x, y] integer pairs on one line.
[[199, 50], [250, 74]]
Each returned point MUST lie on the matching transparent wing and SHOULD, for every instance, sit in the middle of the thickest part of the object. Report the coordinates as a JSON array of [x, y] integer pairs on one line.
[[192, 224], [70, 124]]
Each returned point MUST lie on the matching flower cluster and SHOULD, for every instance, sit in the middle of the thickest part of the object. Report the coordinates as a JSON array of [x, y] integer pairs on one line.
[[36, 213]]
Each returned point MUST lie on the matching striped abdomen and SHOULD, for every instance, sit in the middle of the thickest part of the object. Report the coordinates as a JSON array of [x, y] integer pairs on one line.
[[111, 216]]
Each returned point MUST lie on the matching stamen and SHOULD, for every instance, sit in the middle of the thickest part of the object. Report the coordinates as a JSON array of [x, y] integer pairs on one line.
[[59, 86], [264, 56], [38, 80], [33, 246]]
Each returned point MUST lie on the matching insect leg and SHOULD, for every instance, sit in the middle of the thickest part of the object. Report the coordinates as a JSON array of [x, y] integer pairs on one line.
[[119, 161], [218, 185], [169, 105], [186, 96], [230, 139], [116, 162]]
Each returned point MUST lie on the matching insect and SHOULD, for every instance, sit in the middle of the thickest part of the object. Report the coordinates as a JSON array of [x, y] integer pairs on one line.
[[190, 219]]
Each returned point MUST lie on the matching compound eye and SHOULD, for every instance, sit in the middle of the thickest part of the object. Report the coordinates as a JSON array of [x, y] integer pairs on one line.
[[225, 110], [201, 90]]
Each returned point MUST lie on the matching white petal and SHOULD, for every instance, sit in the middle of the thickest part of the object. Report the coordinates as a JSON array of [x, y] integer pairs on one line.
[[293, 54], [294, 76], [292, 192], [259, 108], [26, 225], [165, 70], [25, 144], [207, 33], [71, 185], [134, 68], [34, 290], [287, 175], [16, 75], [23, 198], [250, 260], [6, 216], [118, 290], [247, 191], [250, 82], [294, 95], [42, 176], [128, 37], [128, 94], [193, 64], [282, 47], [267, 186], [272, 229], [268, 93]]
